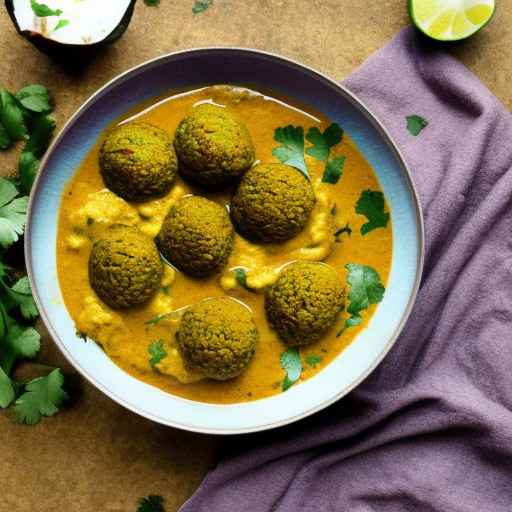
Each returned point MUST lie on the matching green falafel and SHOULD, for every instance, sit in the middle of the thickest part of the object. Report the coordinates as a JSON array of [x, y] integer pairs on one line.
[[304, 302], [272, 203], [138, 161], [196, 236], [125, 268], [217, 337], [213, 146]]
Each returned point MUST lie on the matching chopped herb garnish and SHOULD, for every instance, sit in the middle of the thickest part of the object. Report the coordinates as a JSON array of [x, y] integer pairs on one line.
[[323, 142], [42, 397], [365, 289], [42, 10], [371, 205], [157, 352], [151, 503], [312, 361], [80, 334], [201, 6], [241, 278], [345, 229], [291, 151], [61, 24], [166, 289], [158, 318], [333, 170], [35, 98], [415, 124], [292, 365]]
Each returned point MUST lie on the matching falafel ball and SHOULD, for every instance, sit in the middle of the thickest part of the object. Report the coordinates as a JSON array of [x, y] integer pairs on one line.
[[138, 161], [217, 337], [125, 268], [304, 302], [213, 146], [196, 236], [272, 203]]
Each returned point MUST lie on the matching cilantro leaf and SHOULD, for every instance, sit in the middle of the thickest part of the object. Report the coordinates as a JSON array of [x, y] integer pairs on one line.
[[61, 24], [5, 140], [40, 135], [157, 352], [323, 142], [152, 3], [7, 393], [201, 6], [371, 205], [333, 170], [292, 150], [312, 361], [42, 397], [21, 295], [151, 503], [345, 229], [20, 342], [34, 98], [11, 116], [42, 10], [292, 365], [415, 124], [28, 166], [13, 213]]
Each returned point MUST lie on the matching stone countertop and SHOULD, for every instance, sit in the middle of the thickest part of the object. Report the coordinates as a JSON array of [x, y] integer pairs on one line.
[[95, 455]]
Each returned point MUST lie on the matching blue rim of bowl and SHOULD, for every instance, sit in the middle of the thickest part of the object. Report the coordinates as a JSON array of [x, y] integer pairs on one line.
[[369, 116]]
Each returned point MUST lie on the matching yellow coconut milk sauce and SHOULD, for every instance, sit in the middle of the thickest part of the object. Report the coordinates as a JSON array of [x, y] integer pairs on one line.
[[87, 209]]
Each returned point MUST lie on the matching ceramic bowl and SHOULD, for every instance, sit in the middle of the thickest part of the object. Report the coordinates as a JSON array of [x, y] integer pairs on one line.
[[188, 70]]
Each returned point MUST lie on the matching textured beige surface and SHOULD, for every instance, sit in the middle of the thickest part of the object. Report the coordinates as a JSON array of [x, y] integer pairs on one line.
[[96, 456]]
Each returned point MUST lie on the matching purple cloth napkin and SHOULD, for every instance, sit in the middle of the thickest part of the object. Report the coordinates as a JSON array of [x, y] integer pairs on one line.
[[431, 428]]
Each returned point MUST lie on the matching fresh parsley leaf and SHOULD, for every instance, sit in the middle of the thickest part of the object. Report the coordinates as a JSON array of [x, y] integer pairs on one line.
[[11, 116], [42, 397], [13, 213], [5, 140], [291, 152], [152, 3], [345, 229], [312, 361], [20, 342], [151, 503], [333, 170], [28, 166], [7, 393], [371, 205], [323, 142], [365, 289], [42, 10], [201, 6], [21, 295], [35, 98], [415, 124], [292, 365], [61, 24], [157, 352]]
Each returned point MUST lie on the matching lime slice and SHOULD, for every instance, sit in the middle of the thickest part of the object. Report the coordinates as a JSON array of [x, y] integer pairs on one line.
[[451, 20]]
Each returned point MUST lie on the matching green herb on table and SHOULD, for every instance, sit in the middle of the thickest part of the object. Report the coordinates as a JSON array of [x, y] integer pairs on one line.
[[12, 116], [201, 6], [42, 397], [152, 3], [415, 124], [7, 393], [61, 24], [291, 151], [365, 289], [13, 213], [157, 352], [371, 204], [313, 360], [42, 10], [333, 170], [151, 503], [292, 365], [323, 142], [346, 229], [35, 98]]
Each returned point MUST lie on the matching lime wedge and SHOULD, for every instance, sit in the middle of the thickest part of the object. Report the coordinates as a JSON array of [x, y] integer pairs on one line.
[[451, 20]]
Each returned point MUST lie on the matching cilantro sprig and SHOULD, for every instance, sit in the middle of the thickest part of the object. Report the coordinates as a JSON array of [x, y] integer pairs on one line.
[[151, 503], [156, 352], [291, 151], [371, 204], [201, 6], [365, 288]]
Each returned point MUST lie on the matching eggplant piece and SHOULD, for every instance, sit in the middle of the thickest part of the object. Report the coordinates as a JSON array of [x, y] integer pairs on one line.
[[70, 29]]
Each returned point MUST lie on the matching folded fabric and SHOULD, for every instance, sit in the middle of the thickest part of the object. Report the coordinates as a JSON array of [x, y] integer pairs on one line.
[[431, 428]]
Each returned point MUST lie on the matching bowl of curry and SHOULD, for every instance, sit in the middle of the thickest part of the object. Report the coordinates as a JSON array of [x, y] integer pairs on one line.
[[224, 241]]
